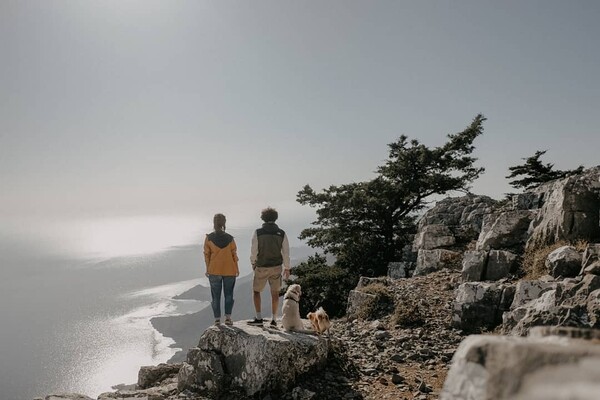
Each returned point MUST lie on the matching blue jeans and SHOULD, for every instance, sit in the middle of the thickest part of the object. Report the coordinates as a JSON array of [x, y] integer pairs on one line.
[[218, 282]]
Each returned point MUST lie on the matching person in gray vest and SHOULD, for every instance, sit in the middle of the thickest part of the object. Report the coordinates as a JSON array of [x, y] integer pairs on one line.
[[270, 259]]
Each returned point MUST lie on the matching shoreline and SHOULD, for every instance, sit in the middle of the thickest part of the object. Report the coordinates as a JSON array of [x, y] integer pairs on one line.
[[185, 330]]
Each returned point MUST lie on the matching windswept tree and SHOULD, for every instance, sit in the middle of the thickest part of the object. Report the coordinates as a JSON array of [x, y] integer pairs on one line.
[[533, 172], [366, 224]]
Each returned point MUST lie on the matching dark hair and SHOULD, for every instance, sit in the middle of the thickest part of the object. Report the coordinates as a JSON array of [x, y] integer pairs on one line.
[[219, 222], [269, 215]]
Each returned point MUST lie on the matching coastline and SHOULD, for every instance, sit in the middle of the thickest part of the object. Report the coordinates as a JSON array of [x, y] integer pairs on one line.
[[186, 330]]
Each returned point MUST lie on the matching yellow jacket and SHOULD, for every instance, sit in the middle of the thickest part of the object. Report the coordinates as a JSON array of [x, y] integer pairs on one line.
[[220, 254]]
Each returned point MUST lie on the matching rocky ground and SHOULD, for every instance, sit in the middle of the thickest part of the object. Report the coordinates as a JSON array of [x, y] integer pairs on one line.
[[382, 359]]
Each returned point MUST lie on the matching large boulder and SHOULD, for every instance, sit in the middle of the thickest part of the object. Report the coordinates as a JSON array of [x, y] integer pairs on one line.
[[433, 237], [570, 211], [399, 269], [162, 392], [480, 305], [591, 259], [564, 262], [250, 360], [593, 308], [473, 265], [429, 261], [499, 264], [454, 221], [570, 303], [542, 310], [505, 230], [155, 375], [525, 291], [67, 396], [356, 301], [504, 367]]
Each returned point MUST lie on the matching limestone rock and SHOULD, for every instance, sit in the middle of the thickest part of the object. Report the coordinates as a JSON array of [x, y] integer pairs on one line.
[[504, 367], [459, 213], [593, 308], [433, 237], [540, 311], [473, 265], [429, 261], [571, 210], [154, 375], [525, 291], [565, 331], [162, 392], [252, 359], [356, 300], [477, 305], [505, 230], [564, 261], [399, 270], [452, 222], [569, 303], [591, 259], [499, 264], [530, 200], [67, 396], [186, 379]]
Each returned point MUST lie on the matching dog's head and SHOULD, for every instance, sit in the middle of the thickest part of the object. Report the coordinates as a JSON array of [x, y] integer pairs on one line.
[[294, 290], [321, 315]]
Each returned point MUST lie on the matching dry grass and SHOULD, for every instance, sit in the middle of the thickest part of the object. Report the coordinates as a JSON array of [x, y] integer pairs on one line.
[[381, 305], [580, 245], [534, 259], [452, 261], [407, 314]]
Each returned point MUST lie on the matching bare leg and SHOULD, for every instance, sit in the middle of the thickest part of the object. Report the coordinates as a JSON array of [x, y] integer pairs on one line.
[[274, 303], [257, 305]]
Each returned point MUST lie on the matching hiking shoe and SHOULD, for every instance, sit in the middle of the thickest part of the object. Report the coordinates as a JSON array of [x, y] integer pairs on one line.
[[273, 323], [256, 321], [228, 321]]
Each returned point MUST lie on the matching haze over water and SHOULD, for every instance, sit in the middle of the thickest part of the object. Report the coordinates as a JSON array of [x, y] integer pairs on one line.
[[76, 299]]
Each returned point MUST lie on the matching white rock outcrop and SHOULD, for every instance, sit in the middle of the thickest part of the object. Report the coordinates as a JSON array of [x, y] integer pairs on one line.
[[504, 230], [564, 262], [570, 211], [429, 261], [250, 360], [505, 367]]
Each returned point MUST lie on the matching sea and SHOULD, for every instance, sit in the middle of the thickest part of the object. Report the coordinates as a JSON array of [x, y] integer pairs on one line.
[[77, 296]]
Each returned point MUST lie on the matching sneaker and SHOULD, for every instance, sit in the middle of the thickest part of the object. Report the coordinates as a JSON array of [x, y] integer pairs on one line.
[[228, 322], [273, 323], [256, 321], [217, 322]]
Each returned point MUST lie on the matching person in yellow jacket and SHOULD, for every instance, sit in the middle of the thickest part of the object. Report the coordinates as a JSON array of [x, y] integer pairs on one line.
[[220, 255]]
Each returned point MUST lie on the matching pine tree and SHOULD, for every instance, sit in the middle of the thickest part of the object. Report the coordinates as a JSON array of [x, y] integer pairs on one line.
[[366, 224], [534, 172]]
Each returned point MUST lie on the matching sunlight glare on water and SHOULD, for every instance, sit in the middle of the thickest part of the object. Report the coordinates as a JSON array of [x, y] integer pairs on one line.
[[137, 235]]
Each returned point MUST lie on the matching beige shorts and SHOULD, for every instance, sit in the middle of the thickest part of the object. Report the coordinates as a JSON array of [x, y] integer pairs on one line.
[[264, 274]]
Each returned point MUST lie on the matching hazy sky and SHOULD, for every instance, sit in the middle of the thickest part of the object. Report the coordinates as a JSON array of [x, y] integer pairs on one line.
[[118, 107]]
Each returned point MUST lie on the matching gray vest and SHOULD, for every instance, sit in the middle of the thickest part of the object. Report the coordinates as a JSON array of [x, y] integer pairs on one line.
[[270, 241]]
